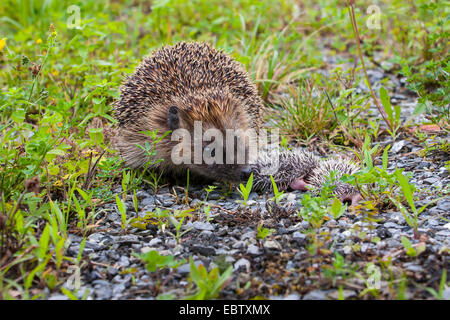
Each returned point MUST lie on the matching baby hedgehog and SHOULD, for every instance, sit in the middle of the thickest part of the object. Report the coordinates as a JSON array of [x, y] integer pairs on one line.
[[346, 192], [289, 169], [302, 170], [178, 87]]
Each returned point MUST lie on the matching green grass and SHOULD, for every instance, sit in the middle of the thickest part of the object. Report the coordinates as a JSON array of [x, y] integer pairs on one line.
[[58, 84]]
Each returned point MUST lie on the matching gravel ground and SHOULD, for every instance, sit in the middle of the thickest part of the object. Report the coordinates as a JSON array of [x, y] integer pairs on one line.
[[280, 266]]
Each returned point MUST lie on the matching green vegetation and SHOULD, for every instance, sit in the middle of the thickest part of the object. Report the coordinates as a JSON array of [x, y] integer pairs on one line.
[[61, 65], [245, 191], [208, 284], [156, 261]]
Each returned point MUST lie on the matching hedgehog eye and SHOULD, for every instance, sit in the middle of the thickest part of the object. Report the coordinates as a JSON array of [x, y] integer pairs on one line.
[[172, 118]]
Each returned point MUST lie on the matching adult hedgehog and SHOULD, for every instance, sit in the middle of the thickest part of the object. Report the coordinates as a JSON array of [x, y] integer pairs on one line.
[[180, 86], [177, 86]]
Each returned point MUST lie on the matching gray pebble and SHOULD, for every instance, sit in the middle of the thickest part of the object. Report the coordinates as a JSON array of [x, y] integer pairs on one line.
[[242, 265], [253, 250], [203, 226], [272, 244], [123, 262]]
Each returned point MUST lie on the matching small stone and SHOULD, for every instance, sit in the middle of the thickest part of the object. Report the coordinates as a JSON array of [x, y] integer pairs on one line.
[[383, 233], [345, 294], [229, 259], [290, 265], [298, 236], [290, 197], [112, 271], [128, 239], [150, 201], [203, 226], [58, 297], [272, 244], [155, 242], [431, 180], [446, 294], [147, 249], [118, 289], [252, 196], [221, 251], [292, 296], [444, 233], [95, 237], [123, 262], [315, 295], [239, 245], [91, 246], [443, 205], [397, 146], [186, 268], [214, 196], [103, 292], [343, 224], [413, 267], [253, 250], [242, 264], [391, 225], [205, 251], [346, 233], [249, 235]]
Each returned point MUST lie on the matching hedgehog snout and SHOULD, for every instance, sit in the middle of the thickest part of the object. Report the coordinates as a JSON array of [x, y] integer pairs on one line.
[[299, 184], [351, 199], [245, 173]]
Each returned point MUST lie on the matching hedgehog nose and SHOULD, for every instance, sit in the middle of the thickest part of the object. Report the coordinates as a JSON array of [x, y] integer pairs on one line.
[[245, 173], [352, 199]]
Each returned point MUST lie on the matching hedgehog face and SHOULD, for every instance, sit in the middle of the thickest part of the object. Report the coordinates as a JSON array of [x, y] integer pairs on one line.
[[345, 192], [215, 141], [348, 194]]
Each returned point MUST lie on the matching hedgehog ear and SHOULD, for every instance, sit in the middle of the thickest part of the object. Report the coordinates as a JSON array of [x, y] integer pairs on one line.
[[173, 119]]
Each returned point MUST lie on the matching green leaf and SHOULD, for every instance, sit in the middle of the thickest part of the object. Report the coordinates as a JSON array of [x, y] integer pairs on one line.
[[385, 100], [194, 272], [336, 208], [385, 157], [249, 183], [409, 219], [274, 185], [59, 251], [221, 280], [420, 108], [80, 251], [120, 205], [398, 111], [154, 261], [30, 277], [69, 294], [407, 192], [421, 246], [43, 241], [443, 282], [406, 243]]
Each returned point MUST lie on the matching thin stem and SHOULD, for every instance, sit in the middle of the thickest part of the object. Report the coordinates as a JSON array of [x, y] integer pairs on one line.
[[355, 29], [40, 70]]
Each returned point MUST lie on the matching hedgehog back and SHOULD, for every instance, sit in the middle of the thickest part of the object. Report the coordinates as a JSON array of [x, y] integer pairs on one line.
[[184, 70]]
